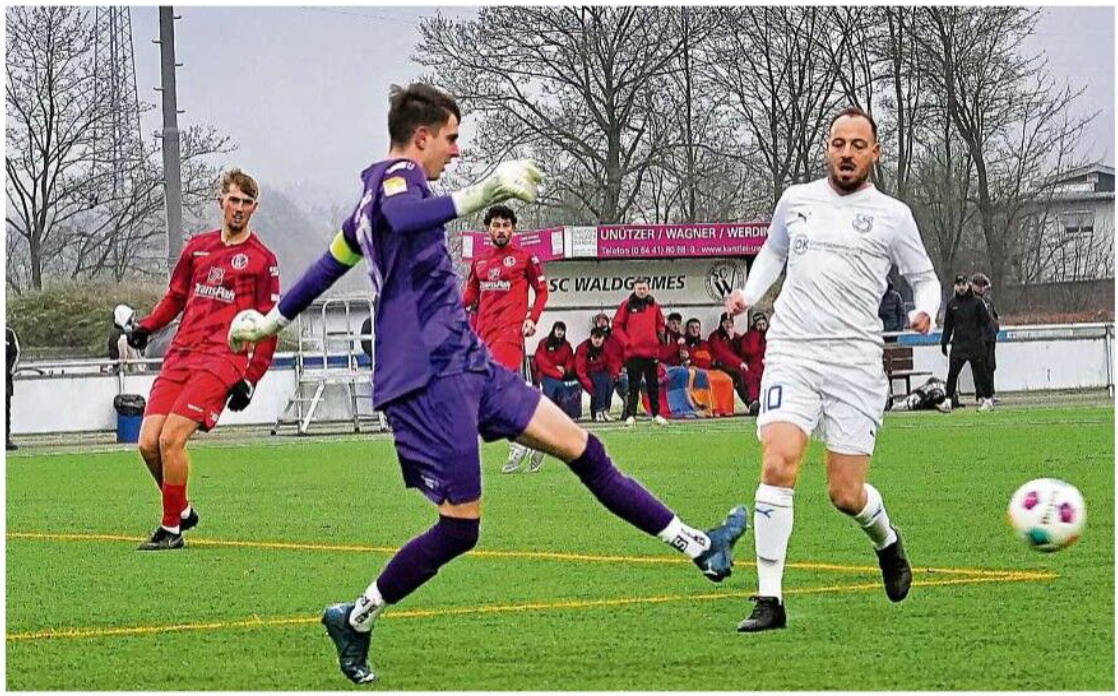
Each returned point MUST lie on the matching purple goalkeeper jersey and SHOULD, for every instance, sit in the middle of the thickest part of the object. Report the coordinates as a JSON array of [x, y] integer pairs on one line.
[[421, 326]]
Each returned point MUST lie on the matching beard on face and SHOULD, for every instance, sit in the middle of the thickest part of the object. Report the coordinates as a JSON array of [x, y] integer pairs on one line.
[[849, 185]]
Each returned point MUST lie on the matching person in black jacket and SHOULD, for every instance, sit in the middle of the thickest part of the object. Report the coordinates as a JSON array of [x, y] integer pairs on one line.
[[12, 354], [965, 323], [891, 310], [981, 284]]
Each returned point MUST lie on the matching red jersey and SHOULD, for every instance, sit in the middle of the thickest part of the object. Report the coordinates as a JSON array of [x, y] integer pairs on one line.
[[584, 364], [214, 281], [725, 349], [498, 284], [555, 363], [752, 348]]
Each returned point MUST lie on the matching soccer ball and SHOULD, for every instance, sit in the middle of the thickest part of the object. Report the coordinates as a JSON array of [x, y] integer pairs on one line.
[[1048, 514], [244, 325]]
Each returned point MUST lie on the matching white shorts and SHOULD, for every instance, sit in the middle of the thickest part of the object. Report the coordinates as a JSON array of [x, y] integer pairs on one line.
[[841, 405]]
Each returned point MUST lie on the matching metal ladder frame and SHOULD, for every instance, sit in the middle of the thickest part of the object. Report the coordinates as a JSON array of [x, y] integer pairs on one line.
[[348, 377]]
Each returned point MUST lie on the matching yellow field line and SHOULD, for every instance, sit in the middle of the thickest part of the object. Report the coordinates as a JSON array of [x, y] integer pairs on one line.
[[258, 622], [535, 555]]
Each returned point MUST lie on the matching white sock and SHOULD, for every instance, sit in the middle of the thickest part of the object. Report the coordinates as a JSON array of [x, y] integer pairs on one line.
[[367, 608], [185, 513], [772, 527], [172, 530], [875, 521], [690, 541]]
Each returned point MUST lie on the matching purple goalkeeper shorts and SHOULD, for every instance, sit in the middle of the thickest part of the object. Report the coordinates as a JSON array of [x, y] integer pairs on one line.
[[436, 428]]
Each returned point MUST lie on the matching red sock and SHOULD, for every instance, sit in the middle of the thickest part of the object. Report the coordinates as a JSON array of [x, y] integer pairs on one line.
[[174, 502]]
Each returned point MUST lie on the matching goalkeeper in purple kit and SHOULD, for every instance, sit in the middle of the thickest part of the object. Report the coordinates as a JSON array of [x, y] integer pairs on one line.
[[436, 381]]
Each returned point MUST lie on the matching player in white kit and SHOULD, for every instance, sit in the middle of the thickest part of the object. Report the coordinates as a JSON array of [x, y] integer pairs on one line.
[[823, 367]]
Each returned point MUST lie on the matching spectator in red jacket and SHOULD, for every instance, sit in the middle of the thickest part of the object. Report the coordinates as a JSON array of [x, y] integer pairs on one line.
[[554, 361], [593, 373], [696, 352], [670, 352], [639, 324], [615, 360], [752, 349], [724, 348]]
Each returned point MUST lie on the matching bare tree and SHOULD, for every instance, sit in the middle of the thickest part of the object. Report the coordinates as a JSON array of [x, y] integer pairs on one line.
[[53, 103], [1004, 107], [784, 90], [575, 90], [75, 212]]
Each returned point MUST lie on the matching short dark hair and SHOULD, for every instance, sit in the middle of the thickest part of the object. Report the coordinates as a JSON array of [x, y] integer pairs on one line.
[[855, 112], [694, 320], [643, 279], [502, 212], [596, 332], [676, 316], [418, 105]]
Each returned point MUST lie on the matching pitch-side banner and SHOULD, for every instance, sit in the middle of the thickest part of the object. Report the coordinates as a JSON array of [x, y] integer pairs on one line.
[[545, 244], [697, 240], [666, 241]]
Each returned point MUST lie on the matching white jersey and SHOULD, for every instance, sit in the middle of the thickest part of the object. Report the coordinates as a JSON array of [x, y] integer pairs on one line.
[[839, 250]]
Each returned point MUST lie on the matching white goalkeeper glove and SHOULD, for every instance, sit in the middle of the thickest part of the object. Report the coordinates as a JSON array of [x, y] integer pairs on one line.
[[518, 179], [250, 326]]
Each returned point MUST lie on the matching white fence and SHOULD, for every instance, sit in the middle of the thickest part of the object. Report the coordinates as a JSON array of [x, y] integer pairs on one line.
[[75, 397]]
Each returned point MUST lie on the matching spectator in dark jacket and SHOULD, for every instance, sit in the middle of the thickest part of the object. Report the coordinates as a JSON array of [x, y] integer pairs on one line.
[[592, 369], [891, 310], [11, 341], [981, 284], [554, 361], [724, 347], [639, 324], [965, 323]]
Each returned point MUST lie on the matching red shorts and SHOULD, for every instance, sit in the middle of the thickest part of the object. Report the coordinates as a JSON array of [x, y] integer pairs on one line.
[[510, 355], [194, 394]]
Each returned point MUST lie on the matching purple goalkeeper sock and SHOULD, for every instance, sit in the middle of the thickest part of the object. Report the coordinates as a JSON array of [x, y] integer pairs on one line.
[[621, 495], [421, 558]]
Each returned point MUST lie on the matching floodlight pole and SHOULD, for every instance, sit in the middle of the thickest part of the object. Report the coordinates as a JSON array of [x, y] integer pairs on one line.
[[172, 171]]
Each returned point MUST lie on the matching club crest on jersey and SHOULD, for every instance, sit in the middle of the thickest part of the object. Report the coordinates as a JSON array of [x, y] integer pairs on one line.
[[509, 262], [216, 276], [239, 262], [863, 223]]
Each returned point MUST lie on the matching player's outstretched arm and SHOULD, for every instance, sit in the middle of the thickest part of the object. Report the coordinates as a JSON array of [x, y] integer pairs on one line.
[[250, 326], [767, 267], [406, 210], [925, 294], [170, 305]]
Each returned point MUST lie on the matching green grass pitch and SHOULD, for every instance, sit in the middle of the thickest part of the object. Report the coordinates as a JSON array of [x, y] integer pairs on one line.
[[559, 594]]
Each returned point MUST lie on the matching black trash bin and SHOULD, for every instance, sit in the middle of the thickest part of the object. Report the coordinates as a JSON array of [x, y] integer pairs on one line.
[[129, 416]]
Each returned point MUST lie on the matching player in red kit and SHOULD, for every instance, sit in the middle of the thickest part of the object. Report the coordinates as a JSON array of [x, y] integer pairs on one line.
[[497, 295], [219, 274]]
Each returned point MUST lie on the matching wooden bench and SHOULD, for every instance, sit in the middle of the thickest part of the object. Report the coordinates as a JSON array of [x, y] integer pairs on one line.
[[899, 365]]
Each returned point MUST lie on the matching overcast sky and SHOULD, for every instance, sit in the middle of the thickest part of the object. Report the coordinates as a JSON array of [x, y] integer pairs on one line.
[[303, 91]]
